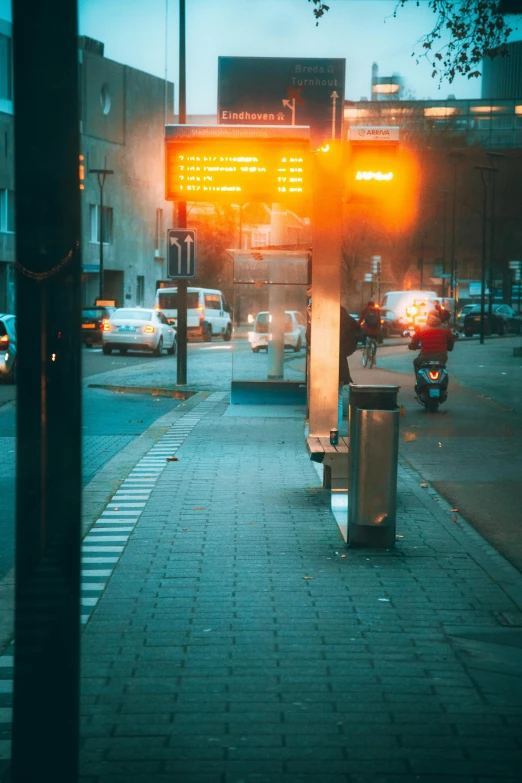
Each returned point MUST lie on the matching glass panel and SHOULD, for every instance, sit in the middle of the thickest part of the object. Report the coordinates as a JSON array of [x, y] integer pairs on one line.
[[270, 322]]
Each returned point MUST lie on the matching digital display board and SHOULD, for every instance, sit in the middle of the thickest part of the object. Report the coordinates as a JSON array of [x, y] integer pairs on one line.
[[235, 165]]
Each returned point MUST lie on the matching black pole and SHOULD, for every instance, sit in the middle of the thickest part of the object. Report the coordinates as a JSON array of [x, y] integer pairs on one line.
[[45, 733], [491, 249], [181, 364], [101, 183], [444, 232], [482, 169], [453, 269]]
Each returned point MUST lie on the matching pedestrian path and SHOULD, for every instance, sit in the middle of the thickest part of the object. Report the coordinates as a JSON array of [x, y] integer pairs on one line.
[[238, 640]]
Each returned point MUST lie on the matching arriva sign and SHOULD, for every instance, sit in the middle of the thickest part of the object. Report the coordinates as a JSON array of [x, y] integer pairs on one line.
[[373, 133]]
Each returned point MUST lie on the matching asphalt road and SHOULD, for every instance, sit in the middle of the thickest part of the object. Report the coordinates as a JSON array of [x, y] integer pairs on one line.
[[471, 450]]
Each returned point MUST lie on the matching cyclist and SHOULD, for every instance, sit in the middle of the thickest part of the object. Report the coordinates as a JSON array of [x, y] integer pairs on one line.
[[370, 320], [442, 311]]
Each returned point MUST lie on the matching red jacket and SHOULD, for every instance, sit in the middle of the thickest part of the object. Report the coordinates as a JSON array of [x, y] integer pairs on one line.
[[433, 337]]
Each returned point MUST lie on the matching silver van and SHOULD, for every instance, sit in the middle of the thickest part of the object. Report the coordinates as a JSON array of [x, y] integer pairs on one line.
[[207, 311]]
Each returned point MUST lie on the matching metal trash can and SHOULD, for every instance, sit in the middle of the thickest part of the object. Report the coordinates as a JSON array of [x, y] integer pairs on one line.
[[374, 449]]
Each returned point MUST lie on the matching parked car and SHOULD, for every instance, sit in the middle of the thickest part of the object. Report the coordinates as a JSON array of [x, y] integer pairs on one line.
[[8, 361], [93, 319], [462, 314], [295, 331], [138, 329], [207, 311], [503, 320], [393, 324]]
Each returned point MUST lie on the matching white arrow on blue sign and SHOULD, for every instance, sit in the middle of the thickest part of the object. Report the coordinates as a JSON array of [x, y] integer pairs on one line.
[[181, 253]]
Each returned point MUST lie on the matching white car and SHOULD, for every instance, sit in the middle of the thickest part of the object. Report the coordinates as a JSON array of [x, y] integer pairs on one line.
[[138, 329], [295, 331]]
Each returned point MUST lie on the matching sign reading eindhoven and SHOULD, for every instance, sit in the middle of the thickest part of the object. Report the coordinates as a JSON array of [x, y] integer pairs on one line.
[[231, 164], [283, 91], [373, 133]]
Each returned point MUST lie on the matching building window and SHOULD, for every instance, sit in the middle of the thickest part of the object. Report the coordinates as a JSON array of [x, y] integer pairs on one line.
[[6, 68], [158, 231], [140, 290], [94, 214], [7, 211]]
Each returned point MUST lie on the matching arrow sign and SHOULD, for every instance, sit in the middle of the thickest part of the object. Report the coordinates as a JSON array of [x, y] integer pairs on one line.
[[181, 249]]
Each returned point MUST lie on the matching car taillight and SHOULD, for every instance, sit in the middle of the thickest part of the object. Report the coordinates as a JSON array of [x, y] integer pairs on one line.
[[382, 320], [106, 326], [4, 342], [149, 329], [102, 325], [201, 308], [434, 375]]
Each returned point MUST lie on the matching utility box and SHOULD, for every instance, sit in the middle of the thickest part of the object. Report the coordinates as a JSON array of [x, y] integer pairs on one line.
[[374, 448]]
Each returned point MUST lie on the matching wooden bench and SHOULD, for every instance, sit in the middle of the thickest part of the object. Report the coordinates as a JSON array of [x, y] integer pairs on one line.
[[334, 459]]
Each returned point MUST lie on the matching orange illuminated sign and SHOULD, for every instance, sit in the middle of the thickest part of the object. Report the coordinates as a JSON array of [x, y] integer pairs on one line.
[[234, 168]]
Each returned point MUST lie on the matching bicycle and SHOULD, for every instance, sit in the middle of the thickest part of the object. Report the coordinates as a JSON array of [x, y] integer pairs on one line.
[[369, 352]]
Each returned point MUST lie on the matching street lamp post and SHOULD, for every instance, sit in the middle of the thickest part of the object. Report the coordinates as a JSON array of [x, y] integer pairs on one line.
[[102, 175], [482, 169], [455, 156], [492, 233], [444, 232]]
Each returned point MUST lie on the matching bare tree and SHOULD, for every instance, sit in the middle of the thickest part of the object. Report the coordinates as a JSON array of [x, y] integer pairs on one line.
[[476, 29]]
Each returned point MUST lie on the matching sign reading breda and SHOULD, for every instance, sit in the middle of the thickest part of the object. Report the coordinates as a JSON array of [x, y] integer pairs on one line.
[[181, 253], [283, 91]]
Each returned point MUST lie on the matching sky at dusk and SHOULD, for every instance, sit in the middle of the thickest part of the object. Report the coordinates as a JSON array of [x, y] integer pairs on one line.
[[135, 32]]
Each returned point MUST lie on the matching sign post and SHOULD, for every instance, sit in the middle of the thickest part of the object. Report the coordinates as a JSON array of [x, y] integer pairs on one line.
[[181, 253]]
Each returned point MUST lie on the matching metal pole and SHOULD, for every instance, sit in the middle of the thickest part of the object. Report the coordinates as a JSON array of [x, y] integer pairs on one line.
[[483, 276], [181, 361], [444, 231], [45, 732], [101, 181], [482, 169], [453, 268]]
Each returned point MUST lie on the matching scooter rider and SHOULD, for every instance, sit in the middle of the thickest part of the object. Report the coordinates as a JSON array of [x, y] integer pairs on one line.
[[434, 339]]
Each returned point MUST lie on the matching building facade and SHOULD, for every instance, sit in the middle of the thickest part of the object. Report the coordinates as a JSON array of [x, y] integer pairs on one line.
[[123, 112]]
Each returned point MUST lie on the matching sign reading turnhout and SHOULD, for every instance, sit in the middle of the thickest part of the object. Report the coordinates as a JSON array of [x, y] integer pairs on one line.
[[283, 91], [373, 133]]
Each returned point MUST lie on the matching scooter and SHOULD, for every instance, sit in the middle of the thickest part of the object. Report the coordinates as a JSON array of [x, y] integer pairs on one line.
[[431, 385]]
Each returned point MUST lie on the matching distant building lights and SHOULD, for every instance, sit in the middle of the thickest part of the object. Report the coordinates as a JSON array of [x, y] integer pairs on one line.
[[385, 89], [440, 111]]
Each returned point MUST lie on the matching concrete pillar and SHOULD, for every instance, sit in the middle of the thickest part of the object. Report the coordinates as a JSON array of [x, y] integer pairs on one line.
[[326, 280]]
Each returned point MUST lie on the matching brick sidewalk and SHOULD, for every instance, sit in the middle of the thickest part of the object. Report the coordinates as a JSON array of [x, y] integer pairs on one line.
[[238, 641]]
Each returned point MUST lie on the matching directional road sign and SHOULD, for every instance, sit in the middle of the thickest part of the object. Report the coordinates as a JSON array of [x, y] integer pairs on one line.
[[181, 253]]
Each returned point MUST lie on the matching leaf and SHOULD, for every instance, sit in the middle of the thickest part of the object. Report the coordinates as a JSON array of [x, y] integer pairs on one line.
[[307, 577], [199, 508], [424, 485], [402, 411], [454, 517], [172, 459], [453, 510], [409, 436], [344, 555]]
